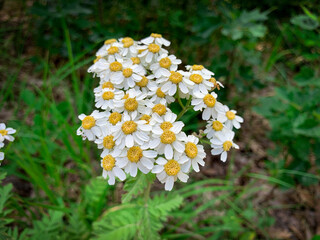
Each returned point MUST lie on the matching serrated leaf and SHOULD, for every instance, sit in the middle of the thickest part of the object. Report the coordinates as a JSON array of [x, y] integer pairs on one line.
[[305, 22]]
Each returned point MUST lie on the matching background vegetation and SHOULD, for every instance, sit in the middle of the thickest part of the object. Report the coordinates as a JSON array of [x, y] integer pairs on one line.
[[268, 57]]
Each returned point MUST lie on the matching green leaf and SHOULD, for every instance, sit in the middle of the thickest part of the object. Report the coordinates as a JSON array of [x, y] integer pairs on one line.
[[305, 22]]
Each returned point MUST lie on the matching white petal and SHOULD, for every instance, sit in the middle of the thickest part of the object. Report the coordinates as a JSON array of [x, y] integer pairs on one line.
[[183, 177], [119, 173], [168, 152], [169, 183], [129, 141], [224, 156], [157, 169]]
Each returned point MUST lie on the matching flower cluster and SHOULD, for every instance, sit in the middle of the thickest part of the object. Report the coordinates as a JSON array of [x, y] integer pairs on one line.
[[5, 134], [135, 127]]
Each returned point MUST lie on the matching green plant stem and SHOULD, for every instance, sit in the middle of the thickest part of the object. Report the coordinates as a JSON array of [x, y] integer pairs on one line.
[[146, 194], [184, 108], [179, 100]]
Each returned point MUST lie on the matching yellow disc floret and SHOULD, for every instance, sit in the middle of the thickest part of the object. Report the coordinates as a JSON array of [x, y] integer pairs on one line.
[[4, 132], [197, 67], [196, 78], [209, 100], [88, 122], [175, 77], [165, 62], [108, 162], [107, 85], [108, 142], [127, 72], [230, 115], [154, 48], [108, 95], [146, 118], [131, 104], [113, 50], [129, 127], [134, 154], [115, 66], [110, 41], [114, 118], [143, 82], [156, 35], [135, 60], [167, 137], [172, 167], [127, 42], [191, 150], [160, 94], [227, 145], [217, 126], [166, 125], [160, 109]]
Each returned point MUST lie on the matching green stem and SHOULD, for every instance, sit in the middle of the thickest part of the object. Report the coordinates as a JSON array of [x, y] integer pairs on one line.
[[179, 100], [146, 194], [184, 108]]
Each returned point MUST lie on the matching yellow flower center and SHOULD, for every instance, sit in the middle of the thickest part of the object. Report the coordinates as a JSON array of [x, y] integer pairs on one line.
[[172, 167], [125, 96], [160, 94], [109, 41], [146, 118], [107, 85], [108, 95], [160, 109], [135, 60], [143, 82], [3, 132], [215, 84], [115, 66], [156, 35], [168, 137], [114, 118], [127, 42], [134, 154], [88, 122], [217, 126], [175, 77], [230, 115], [108, 142], [108, 162], [191, 150], [227, 145], [129, 127], [154, 48], [131, 104], [197, 67], [196, 78], [165, 62], [97, 59], [127, 72], [113, 50], [209, 100], [166, 125]]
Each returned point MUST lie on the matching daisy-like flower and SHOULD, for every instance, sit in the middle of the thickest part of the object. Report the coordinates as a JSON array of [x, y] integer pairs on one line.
[[129, 47], [166, 122], [6, 132], [137, 157], [159, 108], [150, 53], [110, 167], [91, 125], [229, 118], [208, 102], [107, 97], [139, 67], [156, 38], [132, 103], [164, 65], [200, 80], [106, 142], [194, 153], [199, 69], [167, 138], [1, 156], [146, 84], [99, 67], [216, 84], [168, 170], [174, 82], [103, 85], [102, 52], [222, 144], [213, 127], [130, 131], [1, 141], [157, 95]]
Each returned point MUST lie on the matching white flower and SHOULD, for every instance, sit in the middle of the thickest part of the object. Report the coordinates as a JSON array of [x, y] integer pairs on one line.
[[129, 47], [164, 65], [130, 131], [150, 53], [5, 132], [106, 142], [139, 67], [201, 81], [174, 82], [199, 69], [166, 121], [103, 85], [159, 108], [222, 144], [168, 171], [194, 153], [146, 84], [107, 44], [155, 38], [214, 126], [107, 97], [1, 141], [137, 157], [167, 138], [208, 102], [1, 156], [132, 103], [100, 65], [91, 125], [229, 118], [110, 167], [157, 95]]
